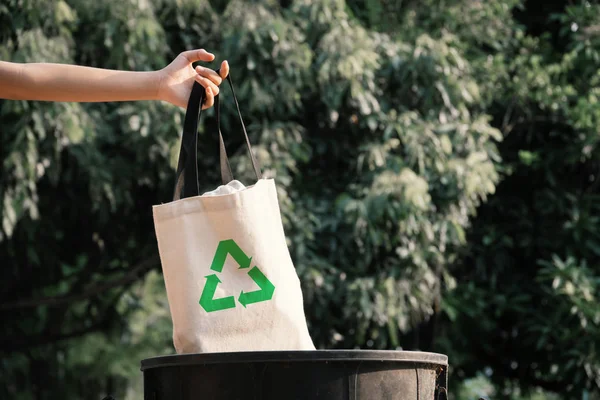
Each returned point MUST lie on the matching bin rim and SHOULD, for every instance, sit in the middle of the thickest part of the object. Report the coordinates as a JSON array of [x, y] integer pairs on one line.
[[400, 356]]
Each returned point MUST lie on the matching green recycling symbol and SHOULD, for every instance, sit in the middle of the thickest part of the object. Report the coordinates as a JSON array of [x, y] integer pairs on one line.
[[207, 300]]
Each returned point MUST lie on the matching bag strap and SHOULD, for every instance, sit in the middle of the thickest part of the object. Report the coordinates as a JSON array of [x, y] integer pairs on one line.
[[186, 177], [226, 175]]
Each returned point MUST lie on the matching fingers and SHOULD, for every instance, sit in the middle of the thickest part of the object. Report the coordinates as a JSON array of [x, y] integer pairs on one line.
[[210, 74], [210, 99], [224, 69], [208, 78], [207, 84], [198, 55]]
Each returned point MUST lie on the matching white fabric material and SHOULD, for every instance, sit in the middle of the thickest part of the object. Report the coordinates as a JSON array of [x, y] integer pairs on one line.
[[244, 313], [231, 187]]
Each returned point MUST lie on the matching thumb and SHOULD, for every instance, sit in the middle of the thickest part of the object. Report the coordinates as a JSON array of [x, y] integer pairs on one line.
[[198, 55]]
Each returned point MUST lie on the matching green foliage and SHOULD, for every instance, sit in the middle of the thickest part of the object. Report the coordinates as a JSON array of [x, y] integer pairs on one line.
[[437, 166]]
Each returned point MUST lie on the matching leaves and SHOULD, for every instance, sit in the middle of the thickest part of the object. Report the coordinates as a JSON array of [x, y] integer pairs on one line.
[[436, 168]]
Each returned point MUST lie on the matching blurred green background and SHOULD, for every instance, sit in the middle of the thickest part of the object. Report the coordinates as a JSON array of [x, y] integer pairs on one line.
[[438, 164]]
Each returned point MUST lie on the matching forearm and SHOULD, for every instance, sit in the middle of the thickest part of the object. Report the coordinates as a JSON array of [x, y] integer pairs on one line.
[[61, 82]]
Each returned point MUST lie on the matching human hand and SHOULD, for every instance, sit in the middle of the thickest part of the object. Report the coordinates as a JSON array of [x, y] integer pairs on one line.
[[178, 77]]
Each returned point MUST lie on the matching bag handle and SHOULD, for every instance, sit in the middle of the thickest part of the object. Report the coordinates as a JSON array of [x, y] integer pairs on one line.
[[226, 175], [186, 178]]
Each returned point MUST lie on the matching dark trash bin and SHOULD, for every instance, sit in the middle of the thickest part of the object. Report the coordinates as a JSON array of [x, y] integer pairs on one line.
[[297, 375]]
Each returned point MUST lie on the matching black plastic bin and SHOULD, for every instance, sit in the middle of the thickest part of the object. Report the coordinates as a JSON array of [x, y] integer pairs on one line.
[[297, 375]]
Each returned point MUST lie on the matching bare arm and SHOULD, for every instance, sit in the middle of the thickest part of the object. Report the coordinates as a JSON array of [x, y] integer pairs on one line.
[[60, 82], [72, 83]]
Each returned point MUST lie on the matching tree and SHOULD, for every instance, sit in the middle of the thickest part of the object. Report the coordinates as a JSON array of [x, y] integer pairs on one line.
[[527, 280], [531, 273], [387, 125]]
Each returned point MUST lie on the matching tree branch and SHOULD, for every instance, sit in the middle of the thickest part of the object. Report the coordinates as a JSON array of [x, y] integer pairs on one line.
[[91, 291], [22, 343]]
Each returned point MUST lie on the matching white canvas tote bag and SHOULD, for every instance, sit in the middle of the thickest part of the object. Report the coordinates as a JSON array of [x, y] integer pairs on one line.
[[230, 280]]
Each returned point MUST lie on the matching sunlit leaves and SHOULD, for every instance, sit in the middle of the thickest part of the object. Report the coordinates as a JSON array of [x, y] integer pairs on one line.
[[379, 120]]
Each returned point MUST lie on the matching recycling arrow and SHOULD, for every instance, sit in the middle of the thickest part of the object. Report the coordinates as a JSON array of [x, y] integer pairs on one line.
[[266, 288], [208, 302], [229, 247]]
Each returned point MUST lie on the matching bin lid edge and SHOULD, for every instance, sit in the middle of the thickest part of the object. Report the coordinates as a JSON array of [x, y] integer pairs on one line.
[[295, 356]]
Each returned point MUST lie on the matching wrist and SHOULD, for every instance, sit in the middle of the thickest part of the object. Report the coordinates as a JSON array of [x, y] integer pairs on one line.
[[160, 80]]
